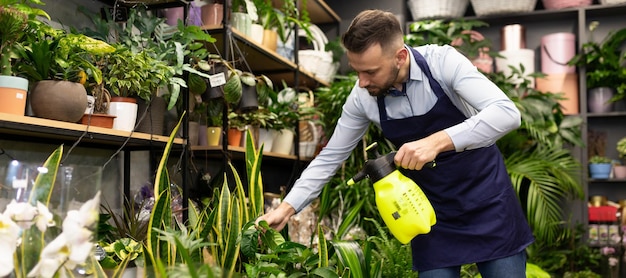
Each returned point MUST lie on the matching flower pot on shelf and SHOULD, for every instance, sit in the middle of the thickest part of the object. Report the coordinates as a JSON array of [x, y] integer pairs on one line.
[[58, 100], [13, 92], [234, 137], [270, 39], [619, 171], [242, 22], [214, 135], [212, 15], [98, 119], [125, 110], [193, 133], [266, 138], [153, 121], [283, 143], [256, 33], [600, 170], [598, 99]]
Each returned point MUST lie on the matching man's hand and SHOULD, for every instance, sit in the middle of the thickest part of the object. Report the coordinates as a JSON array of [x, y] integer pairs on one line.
[[413, 155], [278, 218]]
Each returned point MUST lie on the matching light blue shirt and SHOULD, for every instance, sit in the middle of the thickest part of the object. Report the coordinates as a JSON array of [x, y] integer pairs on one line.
[[490, 115]]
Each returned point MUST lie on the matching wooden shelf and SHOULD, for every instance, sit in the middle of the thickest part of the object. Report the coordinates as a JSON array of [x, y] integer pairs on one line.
[[239, 153], [153, 4], [27, 128], [319, 11], [262, 60]]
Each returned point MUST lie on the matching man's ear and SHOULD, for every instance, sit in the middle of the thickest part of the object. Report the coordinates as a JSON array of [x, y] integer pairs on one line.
[[402, 55]]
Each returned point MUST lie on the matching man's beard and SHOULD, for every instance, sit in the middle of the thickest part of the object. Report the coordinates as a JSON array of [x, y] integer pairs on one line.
[[382, 90]]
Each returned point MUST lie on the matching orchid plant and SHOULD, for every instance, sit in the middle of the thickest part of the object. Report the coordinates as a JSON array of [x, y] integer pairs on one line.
[[40, 244]]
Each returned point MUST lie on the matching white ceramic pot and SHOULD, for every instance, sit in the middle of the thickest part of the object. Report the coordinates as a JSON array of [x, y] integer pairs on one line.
[[125, 110], [283, 142], [266, 138], [256, 33]]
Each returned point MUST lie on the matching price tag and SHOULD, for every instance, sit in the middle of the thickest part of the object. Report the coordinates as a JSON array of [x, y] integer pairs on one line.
[[218, 79], [18, 183]]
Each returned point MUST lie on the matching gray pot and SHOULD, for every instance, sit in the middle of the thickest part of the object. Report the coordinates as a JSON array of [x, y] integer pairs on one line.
[[598, 100], [58, 100]]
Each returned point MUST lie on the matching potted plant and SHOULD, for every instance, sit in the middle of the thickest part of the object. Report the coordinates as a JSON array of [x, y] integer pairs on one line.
[[620, 169], [243, 13], [603, 62], [600, 167], [214, 112], [129, 76], [59, 64], [16, 18], [458, 33], [285, 105]]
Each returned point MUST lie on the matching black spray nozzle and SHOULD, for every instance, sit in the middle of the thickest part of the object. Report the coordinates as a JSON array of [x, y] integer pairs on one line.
[[377, 168]]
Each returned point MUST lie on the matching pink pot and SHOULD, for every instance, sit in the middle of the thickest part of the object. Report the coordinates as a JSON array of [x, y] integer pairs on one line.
[[556, 50], [212, 14]]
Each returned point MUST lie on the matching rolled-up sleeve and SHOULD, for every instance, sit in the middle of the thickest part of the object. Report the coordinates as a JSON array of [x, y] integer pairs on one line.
[[351, 127]]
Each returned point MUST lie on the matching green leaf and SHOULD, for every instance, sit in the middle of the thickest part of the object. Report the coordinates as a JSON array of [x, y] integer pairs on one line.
[[351, 256], [349, 219], [233, 88], [249, 240]]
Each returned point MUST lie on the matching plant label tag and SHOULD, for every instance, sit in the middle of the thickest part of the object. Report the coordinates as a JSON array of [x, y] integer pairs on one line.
[[218, 79], [20, 183]]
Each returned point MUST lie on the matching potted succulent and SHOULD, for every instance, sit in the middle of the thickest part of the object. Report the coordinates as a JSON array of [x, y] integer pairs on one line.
[[15, 19], [600, 167], [603, 62], [620, 169]]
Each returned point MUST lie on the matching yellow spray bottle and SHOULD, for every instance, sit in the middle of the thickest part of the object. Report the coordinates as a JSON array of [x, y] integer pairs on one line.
[[402, 204]]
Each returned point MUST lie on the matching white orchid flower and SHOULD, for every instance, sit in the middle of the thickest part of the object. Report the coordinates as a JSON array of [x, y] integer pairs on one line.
[[73, 246], [44, 219], [52, 257], [9, 235], [22, 213]]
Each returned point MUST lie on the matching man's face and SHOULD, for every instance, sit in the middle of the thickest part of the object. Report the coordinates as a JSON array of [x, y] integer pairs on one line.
[[377, 71]]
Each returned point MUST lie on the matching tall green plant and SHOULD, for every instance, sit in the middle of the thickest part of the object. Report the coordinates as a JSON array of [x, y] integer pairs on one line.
[[543, 170]]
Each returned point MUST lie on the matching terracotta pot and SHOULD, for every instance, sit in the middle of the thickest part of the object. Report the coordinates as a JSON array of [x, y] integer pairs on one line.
[[13, 92], [99, 120], [58, 100], [234, 137]]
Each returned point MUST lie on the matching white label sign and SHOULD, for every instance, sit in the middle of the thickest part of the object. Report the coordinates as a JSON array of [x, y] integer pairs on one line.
[[218, 79]]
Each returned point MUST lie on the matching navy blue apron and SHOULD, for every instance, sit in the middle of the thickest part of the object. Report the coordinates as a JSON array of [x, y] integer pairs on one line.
[[479, 217]]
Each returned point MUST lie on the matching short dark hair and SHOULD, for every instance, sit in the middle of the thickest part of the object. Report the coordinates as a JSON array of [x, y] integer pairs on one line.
[[370, 27]]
